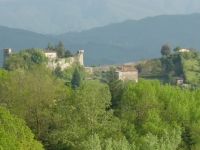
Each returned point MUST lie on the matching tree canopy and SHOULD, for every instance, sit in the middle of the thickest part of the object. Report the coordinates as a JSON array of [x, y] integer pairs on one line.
[[165, 50], [15, 134]]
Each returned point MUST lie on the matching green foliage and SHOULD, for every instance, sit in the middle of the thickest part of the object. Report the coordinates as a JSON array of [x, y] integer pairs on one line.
[[25, 59], [168, 141], [147, 114], [3, 73], [176, 49], [149, 67], [68, 54], [83, 116], [190, 65], [187, 137], [15, 134], [76, 79], [59, 48], [93, 143], [31, 95], [165, 50], [58, 72], [115, 87]]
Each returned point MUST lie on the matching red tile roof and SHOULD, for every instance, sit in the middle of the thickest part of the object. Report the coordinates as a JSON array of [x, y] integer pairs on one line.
[[179, 78], [49, 51], [127, 68]]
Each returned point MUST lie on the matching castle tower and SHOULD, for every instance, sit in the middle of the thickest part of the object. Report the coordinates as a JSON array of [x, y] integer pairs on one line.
[[7, 52], [80, 57]]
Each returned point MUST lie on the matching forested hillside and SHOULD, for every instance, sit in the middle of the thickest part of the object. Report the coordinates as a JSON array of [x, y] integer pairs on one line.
[[99, 115], [72, 109], [116, 43]]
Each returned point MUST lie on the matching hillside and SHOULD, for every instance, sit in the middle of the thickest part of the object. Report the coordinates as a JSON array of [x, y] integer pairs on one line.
[[128, 41], [57, 17]]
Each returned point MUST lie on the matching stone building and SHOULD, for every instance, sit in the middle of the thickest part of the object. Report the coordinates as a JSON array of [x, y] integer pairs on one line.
[[6, 52], [63, 62], [179, 80], [127, 73], [50, 54]]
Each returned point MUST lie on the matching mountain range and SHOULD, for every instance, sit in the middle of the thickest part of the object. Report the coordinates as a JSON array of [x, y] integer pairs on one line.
[[57, 17], [127, 41]]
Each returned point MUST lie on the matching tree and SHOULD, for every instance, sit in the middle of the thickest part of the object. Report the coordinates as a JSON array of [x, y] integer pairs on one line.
[[68, 54], [37, 56], [58, 71], [76, 79], [31, 95], [25, 59], [15, 134], [177, 48], [49, 46], [187, 137], [168, 141], [60, 50], [83, 116], [115, 87], [165, 50], [192, 49], [3, 73]]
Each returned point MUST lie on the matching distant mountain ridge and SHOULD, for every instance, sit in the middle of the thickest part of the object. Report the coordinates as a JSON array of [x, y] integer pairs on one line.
[[122, 42], [56, 17]]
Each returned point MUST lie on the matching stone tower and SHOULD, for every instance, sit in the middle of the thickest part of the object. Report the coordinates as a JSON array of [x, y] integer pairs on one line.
[[7, 52], [80, 57]]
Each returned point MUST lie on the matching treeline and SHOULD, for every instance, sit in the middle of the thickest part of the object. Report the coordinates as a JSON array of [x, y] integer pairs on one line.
[[25, 59], [60, 49]]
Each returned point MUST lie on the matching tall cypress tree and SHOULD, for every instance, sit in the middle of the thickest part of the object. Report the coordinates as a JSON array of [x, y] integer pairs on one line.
[[76, 79], [115, 87]]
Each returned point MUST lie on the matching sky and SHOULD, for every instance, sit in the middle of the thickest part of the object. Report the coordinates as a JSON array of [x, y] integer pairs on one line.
[[61, 16]]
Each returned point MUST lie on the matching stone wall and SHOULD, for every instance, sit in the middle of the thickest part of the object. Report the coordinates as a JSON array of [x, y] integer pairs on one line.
[[66, 62], [133, 76]]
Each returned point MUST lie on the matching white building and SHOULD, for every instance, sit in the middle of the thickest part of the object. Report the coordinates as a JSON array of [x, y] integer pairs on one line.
[[183, 50], [50, 54]]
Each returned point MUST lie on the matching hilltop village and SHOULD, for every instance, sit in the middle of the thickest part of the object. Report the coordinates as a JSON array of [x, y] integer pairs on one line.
[[122, 72], [170, 68], [166, 69]]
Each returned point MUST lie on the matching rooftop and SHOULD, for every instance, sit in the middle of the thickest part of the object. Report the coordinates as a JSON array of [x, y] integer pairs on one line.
[[49, 51], [126, 68]]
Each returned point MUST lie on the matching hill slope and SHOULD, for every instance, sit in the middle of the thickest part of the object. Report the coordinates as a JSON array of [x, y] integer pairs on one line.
[[62, 16], [116, 43]]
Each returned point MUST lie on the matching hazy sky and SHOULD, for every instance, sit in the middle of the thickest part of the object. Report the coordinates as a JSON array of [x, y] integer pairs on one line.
[[61, 16]]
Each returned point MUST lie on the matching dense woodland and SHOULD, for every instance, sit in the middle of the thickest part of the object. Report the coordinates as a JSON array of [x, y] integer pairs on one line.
[[63, 110]]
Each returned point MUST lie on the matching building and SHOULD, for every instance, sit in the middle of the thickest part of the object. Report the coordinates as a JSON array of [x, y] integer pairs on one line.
[[6, 52], [183, 50], [50, 54], [63, 63], [127, 73], [179, 80]]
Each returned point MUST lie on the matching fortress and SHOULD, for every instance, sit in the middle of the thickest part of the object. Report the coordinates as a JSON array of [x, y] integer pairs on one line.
[[63, 62], [54, 61]]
